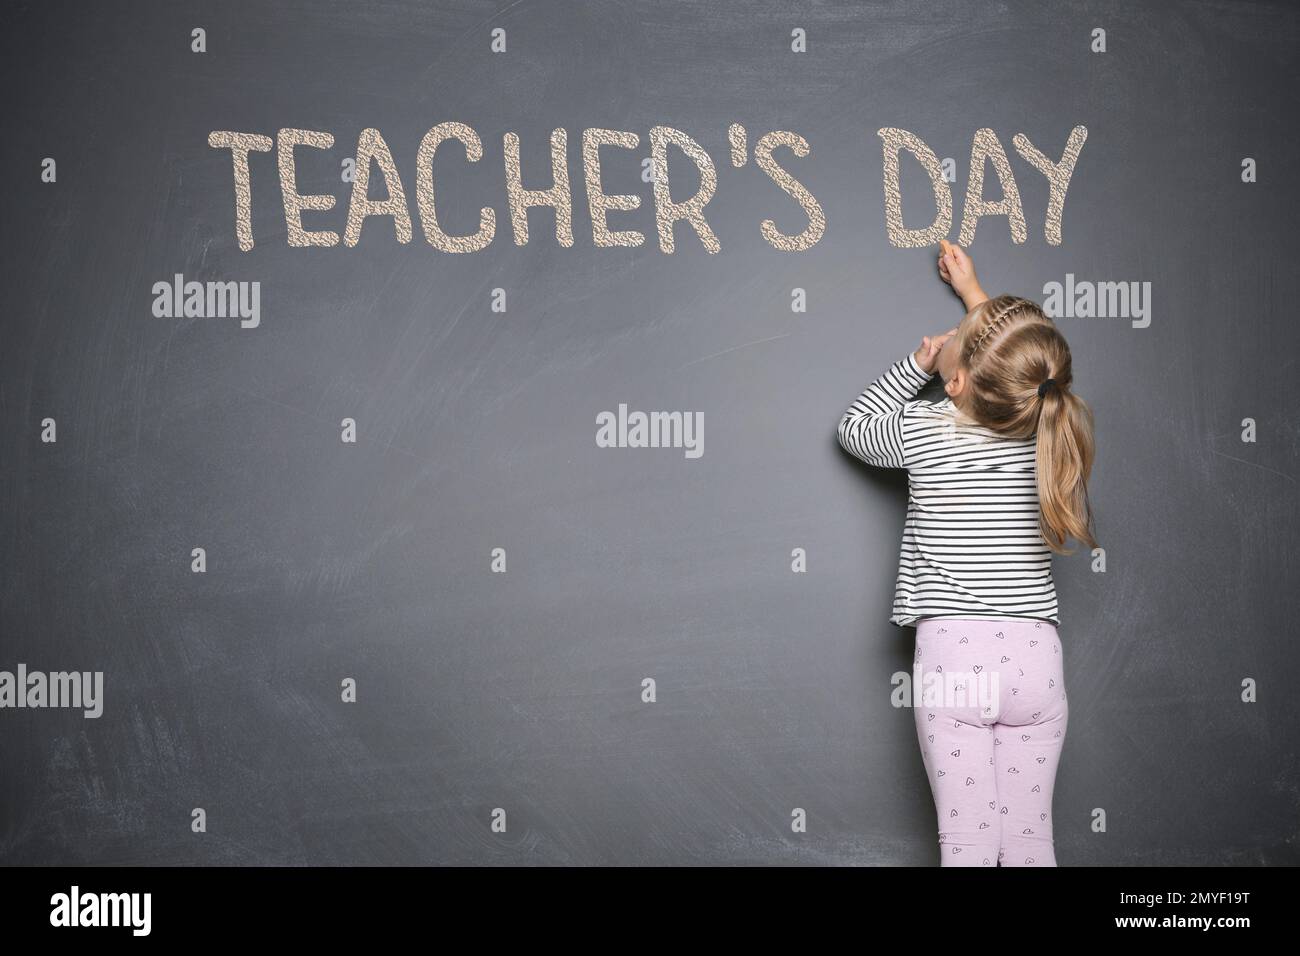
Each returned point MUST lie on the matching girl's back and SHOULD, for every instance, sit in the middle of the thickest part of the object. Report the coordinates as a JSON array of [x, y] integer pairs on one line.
[[971, 541], [971, 544]]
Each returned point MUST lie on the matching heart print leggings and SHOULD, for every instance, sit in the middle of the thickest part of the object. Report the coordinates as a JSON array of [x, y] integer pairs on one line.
[[990, 716]]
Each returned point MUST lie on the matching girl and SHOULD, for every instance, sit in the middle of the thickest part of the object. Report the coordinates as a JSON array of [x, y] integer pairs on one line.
[[997, 480]]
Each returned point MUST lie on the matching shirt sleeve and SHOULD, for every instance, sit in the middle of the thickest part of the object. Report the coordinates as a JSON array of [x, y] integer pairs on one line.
[[872, 427]]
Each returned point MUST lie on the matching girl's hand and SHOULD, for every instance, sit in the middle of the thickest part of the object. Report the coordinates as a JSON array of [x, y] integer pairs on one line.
[[956, 269], [928, 354]]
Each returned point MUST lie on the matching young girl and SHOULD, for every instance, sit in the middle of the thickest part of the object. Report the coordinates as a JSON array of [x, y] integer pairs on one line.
[[997, 480]]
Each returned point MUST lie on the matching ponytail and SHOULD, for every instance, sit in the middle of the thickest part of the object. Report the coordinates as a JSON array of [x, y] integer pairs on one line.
[[1064, 462]]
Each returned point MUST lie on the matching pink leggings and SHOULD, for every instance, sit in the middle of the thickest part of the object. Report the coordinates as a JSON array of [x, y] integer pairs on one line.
[[990, 715]]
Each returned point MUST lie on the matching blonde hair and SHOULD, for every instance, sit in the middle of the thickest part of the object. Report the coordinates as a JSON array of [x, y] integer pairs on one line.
[[1008, 348]]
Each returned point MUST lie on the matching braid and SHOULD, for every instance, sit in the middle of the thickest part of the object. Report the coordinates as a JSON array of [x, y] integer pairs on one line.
[[996, 321]]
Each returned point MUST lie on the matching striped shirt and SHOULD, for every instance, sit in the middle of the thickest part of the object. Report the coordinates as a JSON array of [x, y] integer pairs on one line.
[[971, 544]]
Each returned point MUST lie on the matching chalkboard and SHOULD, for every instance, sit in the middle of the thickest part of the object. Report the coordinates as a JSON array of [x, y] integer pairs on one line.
[[364, 587]]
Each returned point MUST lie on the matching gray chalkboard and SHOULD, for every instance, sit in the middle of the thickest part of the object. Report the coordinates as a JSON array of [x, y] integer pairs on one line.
[[478, 691]]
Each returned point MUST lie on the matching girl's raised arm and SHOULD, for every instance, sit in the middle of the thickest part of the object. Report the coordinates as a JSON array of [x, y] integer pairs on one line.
[[872, 427]]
